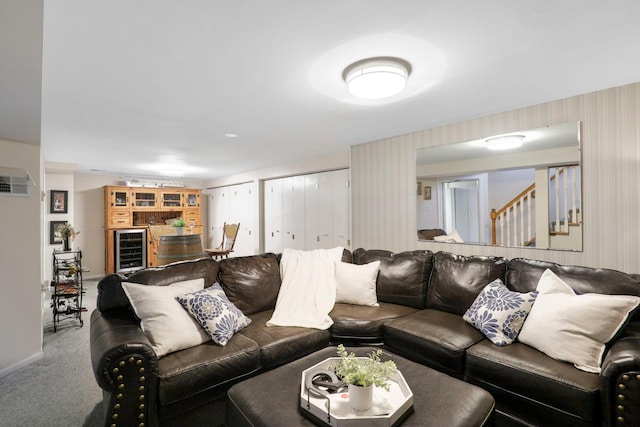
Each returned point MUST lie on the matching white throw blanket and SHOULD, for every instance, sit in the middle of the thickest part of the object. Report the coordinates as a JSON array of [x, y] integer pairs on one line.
[[308, 290]]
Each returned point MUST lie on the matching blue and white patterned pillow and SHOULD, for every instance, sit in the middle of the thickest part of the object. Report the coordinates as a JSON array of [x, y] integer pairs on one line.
[[214, 312], [500, 313]]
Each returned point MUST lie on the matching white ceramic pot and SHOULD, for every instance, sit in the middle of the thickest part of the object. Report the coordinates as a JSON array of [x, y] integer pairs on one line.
[[179, 231], [360, 398]]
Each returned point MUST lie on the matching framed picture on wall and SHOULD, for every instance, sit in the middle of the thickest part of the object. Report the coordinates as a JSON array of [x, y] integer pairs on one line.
[[427, 192], [54, 236], [419, 187], [59, 201]]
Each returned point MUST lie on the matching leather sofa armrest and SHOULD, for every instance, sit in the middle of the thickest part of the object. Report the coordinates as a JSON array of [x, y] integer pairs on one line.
[[125, 367], [620, 380]]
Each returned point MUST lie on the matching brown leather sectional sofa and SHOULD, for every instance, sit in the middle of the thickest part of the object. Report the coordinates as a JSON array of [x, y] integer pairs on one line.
[[422, 297]]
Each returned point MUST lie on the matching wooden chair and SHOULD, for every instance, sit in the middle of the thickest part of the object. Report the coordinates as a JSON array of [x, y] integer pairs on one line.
[[229, 234]]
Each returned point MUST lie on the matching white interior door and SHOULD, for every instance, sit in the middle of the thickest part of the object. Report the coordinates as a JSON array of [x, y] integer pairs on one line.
[[273, 215], [462, 206], [341, 207], [307, 211], [240, 211], [325, 210], [218, 208], [312, 214], [298, 225]]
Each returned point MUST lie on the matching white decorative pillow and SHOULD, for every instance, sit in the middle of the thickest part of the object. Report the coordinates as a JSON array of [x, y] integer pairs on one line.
[[574, 328], [214, 312], [162, 318], [500, 313], [453, 237], [356, 284]]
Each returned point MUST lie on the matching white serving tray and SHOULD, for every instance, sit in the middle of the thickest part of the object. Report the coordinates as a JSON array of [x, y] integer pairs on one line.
[[389, 408]]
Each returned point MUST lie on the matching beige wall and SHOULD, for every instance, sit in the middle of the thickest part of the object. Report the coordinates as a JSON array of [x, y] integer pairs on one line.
[[59, 182], [21, 302], [383, 179]]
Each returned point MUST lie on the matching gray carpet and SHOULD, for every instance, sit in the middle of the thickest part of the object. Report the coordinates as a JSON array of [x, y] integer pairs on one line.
[[60, 389]]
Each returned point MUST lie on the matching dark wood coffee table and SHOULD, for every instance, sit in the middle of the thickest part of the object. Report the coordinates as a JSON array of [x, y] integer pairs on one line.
[[271, 399]]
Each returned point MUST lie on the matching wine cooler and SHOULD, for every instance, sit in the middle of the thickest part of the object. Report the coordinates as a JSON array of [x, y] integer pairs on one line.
[[131, 250]]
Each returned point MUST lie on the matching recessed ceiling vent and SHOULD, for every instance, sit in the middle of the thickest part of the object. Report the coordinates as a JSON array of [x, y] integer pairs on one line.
[[15, 182]]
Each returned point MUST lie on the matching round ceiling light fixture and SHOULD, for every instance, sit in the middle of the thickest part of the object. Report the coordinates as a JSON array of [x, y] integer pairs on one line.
[[507, 142], [376, 78]]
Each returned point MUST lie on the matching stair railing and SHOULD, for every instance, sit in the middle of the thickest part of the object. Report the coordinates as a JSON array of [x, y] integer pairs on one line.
[[514, 220], [564, 186]]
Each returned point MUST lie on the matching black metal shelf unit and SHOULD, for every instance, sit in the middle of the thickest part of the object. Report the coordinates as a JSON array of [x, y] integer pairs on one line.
[[66, 286]]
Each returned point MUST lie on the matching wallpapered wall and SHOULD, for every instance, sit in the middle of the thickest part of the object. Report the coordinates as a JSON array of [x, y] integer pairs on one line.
[[383, 179]]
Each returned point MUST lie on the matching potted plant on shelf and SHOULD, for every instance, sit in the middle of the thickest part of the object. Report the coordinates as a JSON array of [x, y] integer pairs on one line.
[[361, 374], [179, 225], [67, 232]]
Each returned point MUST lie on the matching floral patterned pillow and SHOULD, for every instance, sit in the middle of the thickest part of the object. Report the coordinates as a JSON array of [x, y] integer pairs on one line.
[[500, 313], [214, 312]]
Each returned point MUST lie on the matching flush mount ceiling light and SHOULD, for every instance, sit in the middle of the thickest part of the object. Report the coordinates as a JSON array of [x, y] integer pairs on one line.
[[376, 78], [506, 142]]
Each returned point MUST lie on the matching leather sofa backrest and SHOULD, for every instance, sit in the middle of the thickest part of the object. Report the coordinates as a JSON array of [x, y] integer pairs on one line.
[[346, 256], [112, 297], [252, 283], [403, 277], [523, 276], [457, 280]]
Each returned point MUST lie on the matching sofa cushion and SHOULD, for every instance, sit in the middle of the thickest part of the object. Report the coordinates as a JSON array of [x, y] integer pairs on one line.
[[205, 367], [214, 312], [167, 325], [574, 328], [457, 280], [112, 297], [251, 283], [363, 323], [527, 380], [523, 276], [434, 338], [403, 277], [282, 344], [500, 313], [356, 284]]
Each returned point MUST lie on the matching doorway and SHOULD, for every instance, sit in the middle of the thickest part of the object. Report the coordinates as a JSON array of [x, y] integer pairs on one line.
[[461, 206]]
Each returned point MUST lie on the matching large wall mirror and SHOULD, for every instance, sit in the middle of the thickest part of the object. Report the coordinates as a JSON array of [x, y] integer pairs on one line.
[[522, 189]]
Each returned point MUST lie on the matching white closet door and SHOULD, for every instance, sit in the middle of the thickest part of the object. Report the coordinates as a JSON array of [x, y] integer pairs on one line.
[[249, 226], [273, 215], [311, 206], [341, 196], [325, 209], [240, 212], [293, 213], [218, 212], [307, 212]]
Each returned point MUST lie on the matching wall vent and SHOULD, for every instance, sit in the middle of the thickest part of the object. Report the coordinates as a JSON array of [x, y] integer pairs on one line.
[[14, 182]]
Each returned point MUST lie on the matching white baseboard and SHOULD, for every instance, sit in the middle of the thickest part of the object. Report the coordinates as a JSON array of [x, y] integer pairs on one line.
[[21, 364]]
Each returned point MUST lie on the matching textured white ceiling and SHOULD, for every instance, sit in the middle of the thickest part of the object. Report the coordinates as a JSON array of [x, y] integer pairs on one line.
[[132, 87]]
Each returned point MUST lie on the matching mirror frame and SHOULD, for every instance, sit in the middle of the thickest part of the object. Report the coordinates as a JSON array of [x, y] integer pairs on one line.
[[551, 146]]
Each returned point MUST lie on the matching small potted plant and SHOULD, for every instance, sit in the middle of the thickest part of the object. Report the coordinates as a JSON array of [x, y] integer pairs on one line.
[[67, 233], [361, 374], [179, 225]]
